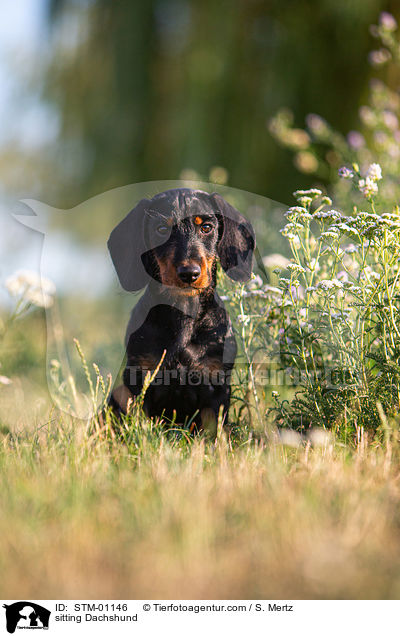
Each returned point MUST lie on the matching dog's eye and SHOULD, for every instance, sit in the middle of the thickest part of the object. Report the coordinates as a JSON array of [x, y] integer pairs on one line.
[[162, 229], [206, 228]]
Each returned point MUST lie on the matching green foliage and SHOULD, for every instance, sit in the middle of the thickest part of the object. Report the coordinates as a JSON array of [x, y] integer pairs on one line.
[[140, 507], [346, 266], [159, 89], [320, 149], [332, 325]]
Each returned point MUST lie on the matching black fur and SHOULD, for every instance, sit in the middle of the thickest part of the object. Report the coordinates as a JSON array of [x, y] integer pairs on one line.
[[171, 245]]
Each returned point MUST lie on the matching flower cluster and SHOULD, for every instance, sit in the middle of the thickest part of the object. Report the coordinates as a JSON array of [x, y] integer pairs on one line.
[[31, 288], [332, 309], [368, 184]]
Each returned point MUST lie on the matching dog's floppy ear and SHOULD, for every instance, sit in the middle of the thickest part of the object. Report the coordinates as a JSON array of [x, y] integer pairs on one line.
[[237, 240], [126, 246]]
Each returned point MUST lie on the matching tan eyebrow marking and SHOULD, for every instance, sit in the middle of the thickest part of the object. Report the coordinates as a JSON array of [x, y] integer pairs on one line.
[[198, 220]]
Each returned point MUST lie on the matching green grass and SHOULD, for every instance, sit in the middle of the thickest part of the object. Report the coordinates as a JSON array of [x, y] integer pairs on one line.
[[83, 515]]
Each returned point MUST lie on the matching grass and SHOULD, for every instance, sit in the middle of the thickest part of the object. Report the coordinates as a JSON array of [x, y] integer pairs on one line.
[[146, 512], [83, 515]]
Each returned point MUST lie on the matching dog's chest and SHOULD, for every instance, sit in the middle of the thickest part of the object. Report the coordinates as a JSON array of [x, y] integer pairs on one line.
[[189, 341], [193, 344]]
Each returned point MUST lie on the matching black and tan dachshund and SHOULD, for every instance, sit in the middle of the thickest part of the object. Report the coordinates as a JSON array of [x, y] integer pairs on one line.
[[170, 244]]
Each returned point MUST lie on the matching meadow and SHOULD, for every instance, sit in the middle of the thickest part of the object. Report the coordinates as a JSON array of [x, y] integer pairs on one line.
[[86, 516], [299, 497]]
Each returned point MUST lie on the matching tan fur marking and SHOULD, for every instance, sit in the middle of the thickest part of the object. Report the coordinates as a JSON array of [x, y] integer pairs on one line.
[[167, 271], [147, 363], [169, 276], [204, 279]]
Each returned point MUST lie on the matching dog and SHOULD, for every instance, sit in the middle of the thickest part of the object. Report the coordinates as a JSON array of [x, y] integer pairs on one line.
[[170, 245]]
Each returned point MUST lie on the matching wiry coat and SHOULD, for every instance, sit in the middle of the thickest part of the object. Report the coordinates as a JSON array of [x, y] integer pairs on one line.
[[171, 245]]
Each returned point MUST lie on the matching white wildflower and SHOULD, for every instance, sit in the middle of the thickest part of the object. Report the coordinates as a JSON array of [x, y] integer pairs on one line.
[[329, 235], [32, 287], [272, 290], [374, 172], [305, 200], [355, 289], [344, 227], [329, 285], [334, 215], [295, 267], [289, 228], [275, 260], [5, 380], [390, 215], [312, 192], [305, 216], [345, 173], [295, 209], [38, 298], [368, 187]]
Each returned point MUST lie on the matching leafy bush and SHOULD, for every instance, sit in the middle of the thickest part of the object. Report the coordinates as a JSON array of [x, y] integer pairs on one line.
[[332, 322], [329, 332]]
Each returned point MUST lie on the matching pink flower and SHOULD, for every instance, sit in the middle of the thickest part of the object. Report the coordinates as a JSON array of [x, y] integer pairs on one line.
[[387, 21]]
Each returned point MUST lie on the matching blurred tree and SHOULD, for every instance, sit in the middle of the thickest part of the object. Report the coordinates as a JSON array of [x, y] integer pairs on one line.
[[149, 88]]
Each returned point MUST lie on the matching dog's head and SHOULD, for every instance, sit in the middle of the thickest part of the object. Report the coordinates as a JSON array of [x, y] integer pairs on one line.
[[176, 238]]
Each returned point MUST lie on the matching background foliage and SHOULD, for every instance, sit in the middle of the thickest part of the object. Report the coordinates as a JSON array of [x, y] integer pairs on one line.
[[151, 90], [164, 89]]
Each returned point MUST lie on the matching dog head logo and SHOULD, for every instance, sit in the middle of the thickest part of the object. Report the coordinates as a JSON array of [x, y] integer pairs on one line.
[[26, 615]]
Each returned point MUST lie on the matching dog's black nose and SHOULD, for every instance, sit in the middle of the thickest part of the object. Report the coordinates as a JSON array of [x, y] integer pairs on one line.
[[188, 273]]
